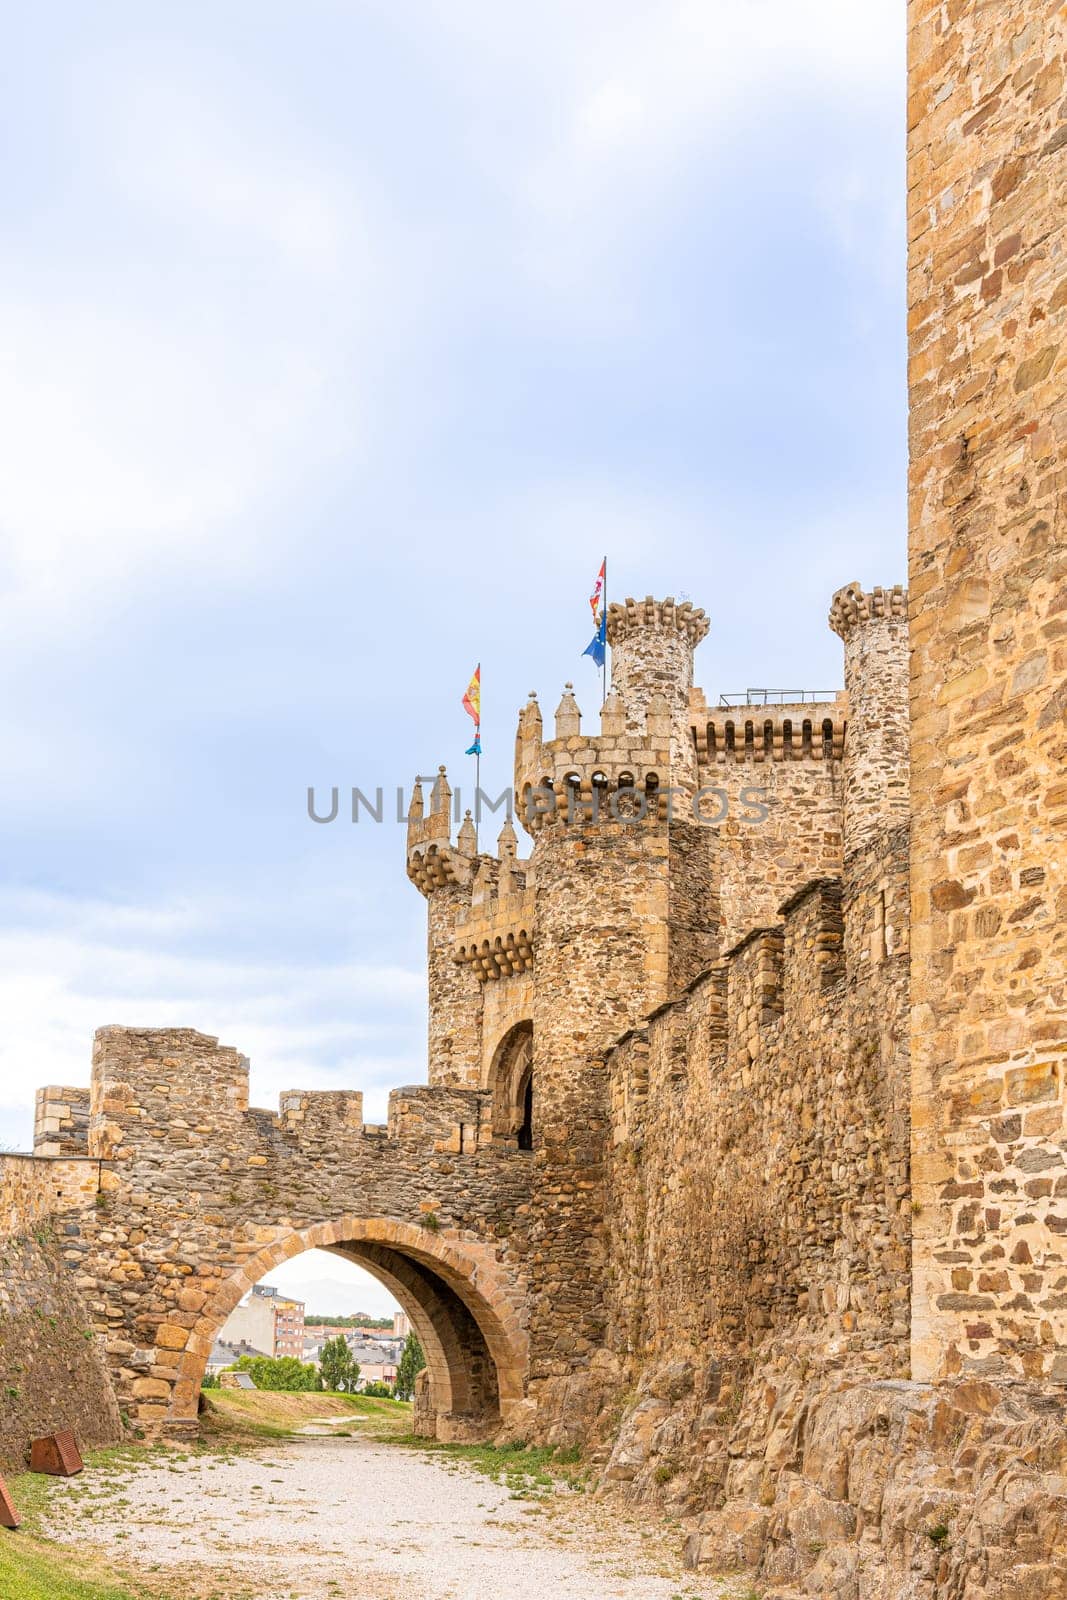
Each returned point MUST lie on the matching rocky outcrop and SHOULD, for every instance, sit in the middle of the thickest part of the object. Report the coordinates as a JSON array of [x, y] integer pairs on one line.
[[843, 1487]]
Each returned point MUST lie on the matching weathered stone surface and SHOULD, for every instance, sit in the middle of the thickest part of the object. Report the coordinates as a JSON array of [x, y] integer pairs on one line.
[[988, 560], [53, 1373]]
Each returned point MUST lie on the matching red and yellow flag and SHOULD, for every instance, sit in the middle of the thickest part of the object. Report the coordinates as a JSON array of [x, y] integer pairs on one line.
[[472, 700]]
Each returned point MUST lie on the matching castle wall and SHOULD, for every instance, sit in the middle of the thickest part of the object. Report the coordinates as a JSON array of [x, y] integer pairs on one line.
[[33, 1189], [759, 1147], [758, 1220], [505, 1003], [987, 223], [601, 962], [455, 1010], [780, 794], [52, 1369]]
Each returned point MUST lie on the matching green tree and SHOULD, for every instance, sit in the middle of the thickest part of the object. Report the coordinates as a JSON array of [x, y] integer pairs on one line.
[[338, 1366], [280, 1372], [411, 1364]]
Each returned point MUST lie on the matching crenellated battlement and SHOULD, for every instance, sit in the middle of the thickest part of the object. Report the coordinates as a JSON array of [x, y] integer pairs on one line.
[[433, 861], [572, 778], [798, 731], [853, 604], [497, 938], [668, 616]]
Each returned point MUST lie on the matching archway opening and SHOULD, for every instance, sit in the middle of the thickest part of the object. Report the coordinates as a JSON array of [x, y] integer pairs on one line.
[[512, 1086], [452, 1294], [525, 1135]]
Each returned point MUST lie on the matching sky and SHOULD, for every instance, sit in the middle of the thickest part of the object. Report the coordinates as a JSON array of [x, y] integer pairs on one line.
[[338, 344]]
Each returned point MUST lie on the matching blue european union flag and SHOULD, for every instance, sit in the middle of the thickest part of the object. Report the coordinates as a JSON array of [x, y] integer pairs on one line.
[[476, 747], [597, 646]]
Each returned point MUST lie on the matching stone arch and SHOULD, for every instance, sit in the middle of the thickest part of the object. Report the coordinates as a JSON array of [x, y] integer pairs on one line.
[[511, 1083], [465, 1311]]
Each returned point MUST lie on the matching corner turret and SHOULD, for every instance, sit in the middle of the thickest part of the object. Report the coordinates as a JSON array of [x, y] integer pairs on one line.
[[874, 628], [433, 861]]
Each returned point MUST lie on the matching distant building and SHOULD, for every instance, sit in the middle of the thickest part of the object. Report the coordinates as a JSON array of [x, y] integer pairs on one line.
[[224, 1355], [270, 1321], [377, 1363], [401, 1325], [288, 1328]]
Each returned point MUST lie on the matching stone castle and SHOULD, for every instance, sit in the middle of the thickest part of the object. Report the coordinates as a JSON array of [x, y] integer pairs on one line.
[[741, 1161]]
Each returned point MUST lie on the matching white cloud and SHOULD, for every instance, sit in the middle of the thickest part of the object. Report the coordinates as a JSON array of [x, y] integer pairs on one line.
[[618, 103], [68, 967], [196, 166], [330, 1286], [153, 402]]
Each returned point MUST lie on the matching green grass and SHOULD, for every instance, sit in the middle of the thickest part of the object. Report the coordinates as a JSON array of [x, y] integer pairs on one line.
[[32, 1571], [529, 1472]]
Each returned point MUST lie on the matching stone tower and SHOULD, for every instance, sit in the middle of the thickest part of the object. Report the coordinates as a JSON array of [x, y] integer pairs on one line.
[[627, 911], [987, 232]]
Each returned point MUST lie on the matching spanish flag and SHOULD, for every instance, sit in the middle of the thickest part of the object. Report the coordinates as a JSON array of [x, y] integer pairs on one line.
[[472, 705]]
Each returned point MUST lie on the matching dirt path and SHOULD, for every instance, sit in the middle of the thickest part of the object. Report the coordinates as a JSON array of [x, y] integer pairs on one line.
[[357, 1519]]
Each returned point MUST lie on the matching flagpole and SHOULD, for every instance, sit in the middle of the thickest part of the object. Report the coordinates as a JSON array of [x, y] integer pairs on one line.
[[604, 668], [477, 758]]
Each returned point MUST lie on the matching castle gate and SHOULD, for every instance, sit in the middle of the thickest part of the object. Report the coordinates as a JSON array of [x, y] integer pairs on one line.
[[200, 1196]]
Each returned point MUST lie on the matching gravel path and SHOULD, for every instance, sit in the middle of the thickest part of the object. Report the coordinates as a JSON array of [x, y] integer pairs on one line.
[[357, 1519]]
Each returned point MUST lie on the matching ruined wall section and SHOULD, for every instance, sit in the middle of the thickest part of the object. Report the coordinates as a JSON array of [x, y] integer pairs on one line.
[[988, 568], [61, 1121]]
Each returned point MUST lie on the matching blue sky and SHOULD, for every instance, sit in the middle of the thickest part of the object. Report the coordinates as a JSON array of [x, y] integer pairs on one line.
[[337, 345]]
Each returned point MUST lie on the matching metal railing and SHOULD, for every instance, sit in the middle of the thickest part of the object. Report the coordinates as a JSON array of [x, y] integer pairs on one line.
[[777, 697]]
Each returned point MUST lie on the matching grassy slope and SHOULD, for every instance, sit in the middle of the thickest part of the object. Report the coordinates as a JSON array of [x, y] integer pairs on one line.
[[32, 1571], [235, 1415]]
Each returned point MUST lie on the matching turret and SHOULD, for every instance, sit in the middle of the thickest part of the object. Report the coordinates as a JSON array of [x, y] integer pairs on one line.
[[432, 859], [652, 644], [874, 628]]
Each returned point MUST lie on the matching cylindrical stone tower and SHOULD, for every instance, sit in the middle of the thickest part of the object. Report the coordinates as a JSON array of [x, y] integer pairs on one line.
[[874, 628], [652, 644]]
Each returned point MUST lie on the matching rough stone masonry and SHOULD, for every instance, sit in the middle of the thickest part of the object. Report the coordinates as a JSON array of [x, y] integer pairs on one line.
[[742, 1156]]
